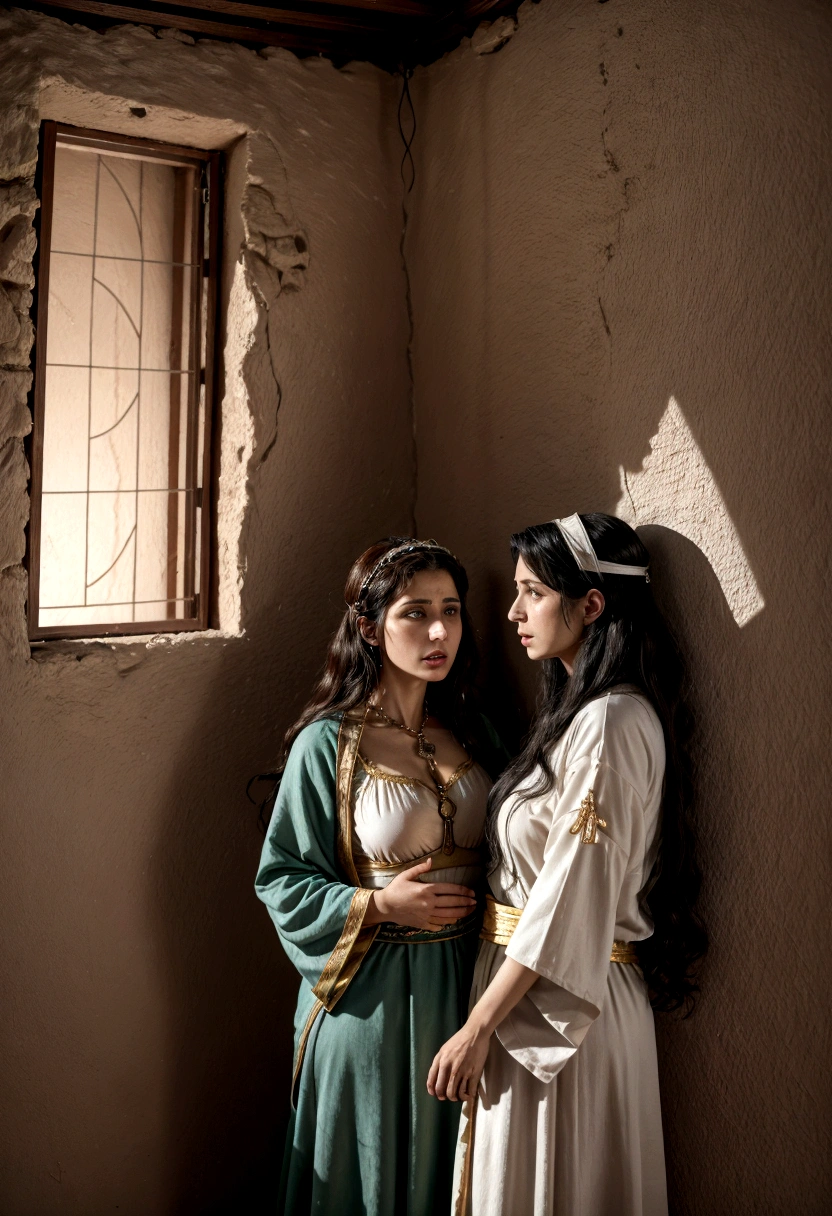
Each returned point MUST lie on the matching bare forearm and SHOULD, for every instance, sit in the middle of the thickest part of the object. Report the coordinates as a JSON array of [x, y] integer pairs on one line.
[[509, 985], [458, 1065], [374, 915]]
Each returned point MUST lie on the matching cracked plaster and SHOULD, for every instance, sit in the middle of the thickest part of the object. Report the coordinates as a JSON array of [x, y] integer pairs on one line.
[[583, 242], [620, 265], [272, 246], [129, 846]]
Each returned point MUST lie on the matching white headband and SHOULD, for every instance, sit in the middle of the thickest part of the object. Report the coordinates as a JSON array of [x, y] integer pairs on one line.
[[580, 546]]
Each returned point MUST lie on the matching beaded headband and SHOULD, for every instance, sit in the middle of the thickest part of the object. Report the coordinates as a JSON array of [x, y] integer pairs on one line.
[[580, 546], [411, 546]]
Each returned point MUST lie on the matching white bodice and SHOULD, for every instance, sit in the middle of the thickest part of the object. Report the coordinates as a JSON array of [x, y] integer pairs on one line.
[[396, 819]]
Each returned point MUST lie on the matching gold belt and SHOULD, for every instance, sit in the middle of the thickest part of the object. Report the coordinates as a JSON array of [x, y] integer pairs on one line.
[[369, 868], [501, 920]]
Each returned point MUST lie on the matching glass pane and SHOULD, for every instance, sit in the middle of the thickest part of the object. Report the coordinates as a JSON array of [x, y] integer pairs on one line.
[[167, 319], [70, 309], [135, 563], [117, 301], [73, 222], [66, 420], [118, 229], [63, 523], [123, 403], [113, 440], [165, 430]]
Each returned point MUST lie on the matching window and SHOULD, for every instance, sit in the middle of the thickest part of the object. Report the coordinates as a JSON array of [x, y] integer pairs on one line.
[[119, 538]]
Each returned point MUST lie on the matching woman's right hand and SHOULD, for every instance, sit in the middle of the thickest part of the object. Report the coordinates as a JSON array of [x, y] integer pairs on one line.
[[421, 905]]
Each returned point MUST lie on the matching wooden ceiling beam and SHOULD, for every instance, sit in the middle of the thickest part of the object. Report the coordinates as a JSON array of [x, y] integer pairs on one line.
[[386, 32], [463, 18], [278, 16], [315, 41], [395, 8]]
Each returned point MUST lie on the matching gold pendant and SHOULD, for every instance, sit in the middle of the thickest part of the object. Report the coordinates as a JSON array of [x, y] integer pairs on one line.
[[447, 810], [424, 748]]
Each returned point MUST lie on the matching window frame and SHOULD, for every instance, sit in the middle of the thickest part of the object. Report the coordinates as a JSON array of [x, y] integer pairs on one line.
[[209, 165]]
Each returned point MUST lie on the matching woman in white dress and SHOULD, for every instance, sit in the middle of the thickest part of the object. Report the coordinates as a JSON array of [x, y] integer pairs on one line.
[[591, 914]]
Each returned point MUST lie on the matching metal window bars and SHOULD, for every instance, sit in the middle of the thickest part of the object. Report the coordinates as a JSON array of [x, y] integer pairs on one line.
[[121, 457]]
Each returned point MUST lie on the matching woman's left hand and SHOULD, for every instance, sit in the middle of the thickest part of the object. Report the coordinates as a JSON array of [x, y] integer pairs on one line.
[[457, 1066]]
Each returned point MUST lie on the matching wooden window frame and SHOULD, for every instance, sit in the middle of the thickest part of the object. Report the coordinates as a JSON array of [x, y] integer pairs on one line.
[[209, 166]]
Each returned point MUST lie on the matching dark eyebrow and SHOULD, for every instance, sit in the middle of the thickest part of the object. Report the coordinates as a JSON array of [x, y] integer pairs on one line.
[[449, 599]]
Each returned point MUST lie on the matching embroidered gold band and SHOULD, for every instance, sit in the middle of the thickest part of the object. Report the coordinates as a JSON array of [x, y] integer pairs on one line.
[[623, 952], [401, 935], [301, 1052], [501, 920], [367, 868], [348, 954]]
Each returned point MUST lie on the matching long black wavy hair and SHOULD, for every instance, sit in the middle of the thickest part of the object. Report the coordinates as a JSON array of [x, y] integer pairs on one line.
[[353, 667], [629, 643]]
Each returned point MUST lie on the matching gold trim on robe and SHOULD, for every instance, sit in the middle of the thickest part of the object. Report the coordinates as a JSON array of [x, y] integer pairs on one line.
[[355, 939], [349, 738], [349, 952], [301, 1052], [467, 1139]]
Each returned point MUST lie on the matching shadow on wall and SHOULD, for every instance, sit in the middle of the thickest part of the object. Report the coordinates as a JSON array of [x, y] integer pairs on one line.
[[229, 990], [689, 593]]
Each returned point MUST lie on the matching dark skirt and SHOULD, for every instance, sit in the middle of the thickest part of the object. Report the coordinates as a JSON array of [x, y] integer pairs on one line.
[[366, 1138]]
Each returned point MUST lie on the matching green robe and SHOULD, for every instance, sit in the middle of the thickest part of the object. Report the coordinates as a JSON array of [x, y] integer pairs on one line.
[[365, 1138]]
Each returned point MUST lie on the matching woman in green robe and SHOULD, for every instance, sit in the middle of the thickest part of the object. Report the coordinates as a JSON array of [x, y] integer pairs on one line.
[[371, 872]]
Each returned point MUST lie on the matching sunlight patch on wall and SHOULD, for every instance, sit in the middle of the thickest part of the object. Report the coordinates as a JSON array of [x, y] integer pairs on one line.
[[235, 452], [675, 488]]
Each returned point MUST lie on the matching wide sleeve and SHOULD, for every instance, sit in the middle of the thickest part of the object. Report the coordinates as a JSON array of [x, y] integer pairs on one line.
[[318, 915], [567, 928]]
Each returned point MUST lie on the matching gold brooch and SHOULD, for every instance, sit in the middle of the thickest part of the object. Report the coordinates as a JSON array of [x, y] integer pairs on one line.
[[587, 821]]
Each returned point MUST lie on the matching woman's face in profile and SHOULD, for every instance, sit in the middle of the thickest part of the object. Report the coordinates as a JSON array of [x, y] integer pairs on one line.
[[538, 613], [423, 628]]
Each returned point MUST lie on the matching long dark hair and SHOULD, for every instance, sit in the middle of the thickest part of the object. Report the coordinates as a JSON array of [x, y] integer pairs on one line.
[[629, 643], [352, 668]]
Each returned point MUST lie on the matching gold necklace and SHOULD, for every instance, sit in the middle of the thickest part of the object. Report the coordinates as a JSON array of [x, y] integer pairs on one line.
[[426, 751]]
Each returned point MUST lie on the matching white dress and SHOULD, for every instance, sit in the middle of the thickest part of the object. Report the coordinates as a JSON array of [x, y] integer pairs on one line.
[[569, 1120]]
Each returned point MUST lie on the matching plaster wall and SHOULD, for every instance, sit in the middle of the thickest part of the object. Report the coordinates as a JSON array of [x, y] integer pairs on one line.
[[620, 264], [146, 1028]]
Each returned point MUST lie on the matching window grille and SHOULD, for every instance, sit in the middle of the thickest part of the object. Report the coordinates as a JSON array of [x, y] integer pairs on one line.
[[119, 539]]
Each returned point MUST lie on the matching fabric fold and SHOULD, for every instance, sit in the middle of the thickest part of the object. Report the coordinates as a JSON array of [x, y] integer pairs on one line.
[[349, 952]]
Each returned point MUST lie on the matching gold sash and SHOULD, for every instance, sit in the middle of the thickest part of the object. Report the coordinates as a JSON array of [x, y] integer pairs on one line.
[[368, 868], [501, 920]]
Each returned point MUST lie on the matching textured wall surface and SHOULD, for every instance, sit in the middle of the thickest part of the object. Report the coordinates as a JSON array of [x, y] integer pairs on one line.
[[146, 1025], [619, 254], [628, 203]]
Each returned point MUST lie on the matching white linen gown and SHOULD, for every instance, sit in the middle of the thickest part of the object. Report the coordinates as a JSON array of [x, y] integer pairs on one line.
[[568, 1120]]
